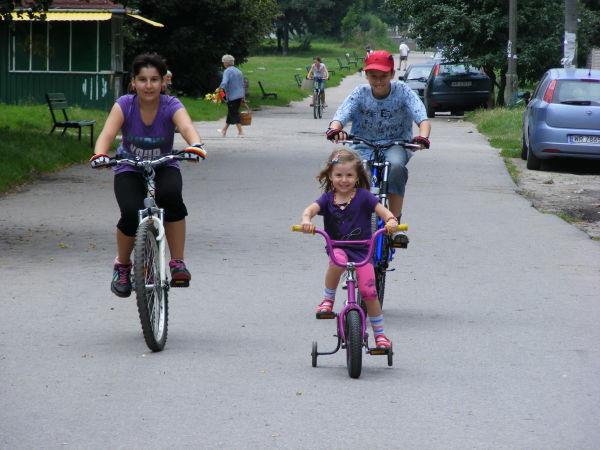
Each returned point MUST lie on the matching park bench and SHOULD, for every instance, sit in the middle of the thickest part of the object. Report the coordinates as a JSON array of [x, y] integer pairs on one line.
[[342, 66], [357, 58], [58, 102], [298, 79], [266, 94], [350, 61]]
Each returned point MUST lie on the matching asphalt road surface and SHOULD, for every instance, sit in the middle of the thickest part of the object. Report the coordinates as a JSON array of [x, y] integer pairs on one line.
[[493, 309]]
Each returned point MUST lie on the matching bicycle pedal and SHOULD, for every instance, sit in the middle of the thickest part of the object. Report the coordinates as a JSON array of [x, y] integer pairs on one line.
[[379, 351], [180, 283], [325, 315], [402, 245]]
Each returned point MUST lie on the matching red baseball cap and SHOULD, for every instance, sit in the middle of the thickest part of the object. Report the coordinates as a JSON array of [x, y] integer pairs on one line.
[[379, 60]]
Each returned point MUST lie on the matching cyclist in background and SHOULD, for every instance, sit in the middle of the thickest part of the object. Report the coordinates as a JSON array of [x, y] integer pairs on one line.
[[147, 120], [318, 71], [382, 111]]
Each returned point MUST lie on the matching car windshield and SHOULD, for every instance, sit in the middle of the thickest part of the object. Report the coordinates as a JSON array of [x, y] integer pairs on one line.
[[456, 69], [417, 73], [577, 92]]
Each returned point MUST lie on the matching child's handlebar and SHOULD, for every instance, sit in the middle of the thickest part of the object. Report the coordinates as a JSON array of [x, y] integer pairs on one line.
[[354, 140], [330, 243]]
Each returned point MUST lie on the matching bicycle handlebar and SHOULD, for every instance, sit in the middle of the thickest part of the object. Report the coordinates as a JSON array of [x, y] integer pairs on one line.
[[330, 243], [176, 155], [358, 140]]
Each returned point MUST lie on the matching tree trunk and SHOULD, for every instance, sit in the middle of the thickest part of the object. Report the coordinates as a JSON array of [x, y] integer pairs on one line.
[[286, 38]]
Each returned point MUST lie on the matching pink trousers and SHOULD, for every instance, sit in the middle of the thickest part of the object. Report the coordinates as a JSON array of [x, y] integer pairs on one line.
[[364, 274]]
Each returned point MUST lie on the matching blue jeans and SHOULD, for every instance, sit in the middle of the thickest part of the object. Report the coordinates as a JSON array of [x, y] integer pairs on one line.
[[398, 157]]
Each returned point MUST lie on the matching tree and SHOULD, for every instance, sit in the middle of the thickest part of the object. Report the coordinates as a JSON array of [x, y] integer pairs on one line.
[[320, 17], [478, 30], [32, 6], [197, 34]]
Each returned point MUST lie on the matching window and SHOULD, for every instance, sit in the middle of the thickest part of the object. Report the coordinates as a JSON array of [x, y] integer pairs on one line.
[[57, 46]]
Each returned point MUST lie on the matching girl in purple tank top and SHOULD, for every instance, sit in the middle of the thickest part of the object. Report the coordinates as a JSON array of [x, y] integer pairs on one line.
[[147, 120], [346, 206]]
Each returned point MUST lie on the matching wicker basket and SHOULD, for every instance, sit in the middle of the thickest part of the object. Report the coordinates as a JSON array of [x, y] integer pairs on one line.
[[246, 117]]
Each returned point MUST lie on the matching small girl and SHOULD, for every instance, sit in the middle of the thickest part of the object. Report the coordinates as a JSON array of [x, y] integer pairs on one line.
[[346, 206]]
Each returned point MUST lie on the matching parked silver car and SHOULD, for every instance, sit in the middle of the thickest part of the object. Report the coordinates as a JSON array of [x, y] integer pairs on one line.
[[562, 119]]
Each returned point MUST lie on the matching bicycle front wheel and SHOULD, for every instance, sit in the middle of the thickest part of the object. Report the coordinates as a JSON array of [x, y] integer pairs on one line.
[[151, 293], [316, 106], [353, 343]]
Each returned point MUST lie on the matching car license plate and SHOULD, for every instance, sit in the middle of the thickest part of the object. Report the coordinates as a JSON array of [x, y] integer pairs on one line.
[[582, 139], [461, 83]]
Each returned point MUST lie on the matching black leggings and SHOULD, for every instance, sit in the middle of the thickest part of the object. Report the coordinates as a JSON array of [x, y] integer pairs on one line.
[[130, 193], [233, 111]]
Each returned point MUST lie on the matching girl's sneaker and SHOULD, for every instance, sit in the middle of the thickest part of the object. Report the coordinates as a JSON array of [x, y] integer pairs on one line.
[[382, 342], [121, 282], [325, 310], [180, 276]]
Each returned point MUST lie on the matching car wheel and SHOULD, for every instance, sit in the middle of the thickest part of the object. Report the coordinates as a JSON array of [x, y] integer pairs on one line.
[[533, 162], [457, 112], [523, 148], [430, 111]]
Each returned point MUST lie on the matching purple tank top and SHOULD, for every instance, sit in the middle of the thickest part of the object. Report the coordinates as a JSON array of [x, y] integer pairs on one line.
[[350, 224], [146, 141]]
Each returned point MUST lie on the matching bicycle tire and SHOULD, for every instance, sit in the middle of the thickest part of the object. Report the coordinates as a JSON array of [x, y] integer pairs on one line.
[[314, 354], [151, 294], [380, 274], [315, 103], [353, 343]]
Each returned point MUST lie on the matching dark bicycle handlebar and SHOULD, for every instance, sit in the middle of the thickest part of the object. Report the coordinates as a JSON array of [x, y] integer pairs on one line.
[[359, 140]]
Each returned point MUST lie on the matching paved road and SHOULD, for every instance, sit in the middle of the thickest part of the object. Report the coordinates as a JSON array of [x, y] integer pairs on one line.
[[493, 310]]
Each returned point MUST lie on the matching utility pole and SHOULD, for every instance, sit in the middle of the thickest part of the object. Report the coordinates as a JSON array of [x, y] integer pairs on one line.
[[510, 92], [570, 42]]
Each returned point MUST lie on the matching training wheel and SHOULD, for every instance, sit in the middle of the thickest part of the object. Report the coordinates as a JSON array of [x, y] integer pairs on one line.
[[314, 354], [390, 355]]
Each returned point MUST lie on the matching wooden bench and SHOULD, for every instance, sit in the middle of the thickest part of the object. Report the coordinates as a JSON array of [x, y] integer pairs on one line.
[[298, 79], [342, 66], [350, 61], [57, 101], [266, 94]]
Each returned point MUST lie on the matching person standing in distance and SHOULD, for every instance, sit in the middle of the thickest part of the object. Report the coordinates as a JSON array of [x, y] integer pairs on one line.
[[233, 85], [404, 51]]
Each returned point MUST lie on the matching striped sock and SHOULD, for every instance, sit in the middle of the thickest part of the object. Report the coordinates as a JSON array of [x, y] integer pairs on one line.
[[329, 294], [377, 324]]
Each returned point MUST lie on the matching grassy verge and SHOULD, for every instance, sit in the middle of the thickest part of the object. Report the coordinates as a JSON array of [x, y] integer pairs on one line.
[[27, 148], [503, 128]]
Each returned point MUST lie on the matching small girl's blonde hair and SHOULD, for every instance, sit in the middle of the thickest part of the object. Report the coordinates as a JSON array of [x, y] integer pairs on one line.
[[343, 155]]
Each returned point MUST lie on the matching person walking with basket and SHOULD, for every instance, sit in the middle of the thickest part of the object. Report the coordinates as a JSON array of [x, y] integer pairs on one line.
[[233, 85]]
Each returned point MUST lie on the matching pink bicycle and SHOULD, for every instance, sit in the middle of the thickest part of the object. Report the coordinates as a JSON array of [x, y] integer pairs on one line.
[[351, 321]]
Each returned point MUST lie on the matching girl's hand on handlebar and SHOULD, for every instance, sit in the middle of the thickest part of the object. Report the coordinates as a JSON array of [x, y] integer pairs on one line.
[[307, 227], [196, 150], [391, 225], [100, 161]]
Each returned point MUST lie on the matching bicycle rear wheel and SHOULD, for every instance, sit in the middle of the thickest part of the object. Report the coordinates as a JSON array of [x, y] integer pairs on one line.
[[353, 343], [380, 274], [151, 293]]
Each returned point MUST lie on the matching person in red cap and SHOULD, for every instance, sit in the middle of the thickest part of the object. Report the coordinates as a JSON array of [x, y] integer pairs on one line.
[[382, 111]]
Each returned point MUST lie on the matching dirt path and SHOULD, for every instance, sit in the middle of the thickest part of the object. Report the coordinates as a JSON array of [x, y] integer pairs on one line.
[[570, 189]]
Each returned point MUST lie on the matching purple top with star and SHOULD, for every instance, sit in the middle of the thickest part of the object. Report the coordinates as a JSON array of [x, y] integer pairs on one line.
[[146, 141], [350, 224]]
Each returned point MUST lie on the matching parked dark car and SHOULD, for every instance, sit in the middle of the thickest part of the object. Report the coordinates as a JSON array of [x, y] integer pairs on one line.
[[416, 77], [456, 88], [562, 119]]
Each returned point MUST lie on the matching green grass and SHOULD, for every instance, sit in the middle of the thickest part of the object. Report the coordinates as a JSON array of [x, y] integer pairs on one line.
[[27, 148], [502, 126]]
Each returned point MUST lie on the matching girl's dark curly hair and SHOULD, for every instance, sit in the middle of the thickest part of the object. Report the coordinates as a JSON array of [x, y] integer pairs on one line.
[[148, 60], [343, 155]]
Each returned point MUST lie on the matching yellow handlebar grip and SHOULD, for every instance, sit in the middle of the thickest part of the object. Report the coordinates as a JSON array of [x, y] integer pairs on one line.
[[403, 227], [296, 227]]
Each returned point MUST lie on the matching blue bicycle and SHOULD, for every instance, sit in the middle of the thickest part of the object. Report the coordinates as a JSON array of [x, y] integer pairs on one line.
[[379, 168]]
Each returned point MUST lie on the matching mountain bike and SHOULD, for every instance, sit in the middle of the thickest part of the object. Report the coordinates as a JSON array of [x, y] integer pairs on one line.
[[317, 97], [150, 268], [352, 319], [378, 169]]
